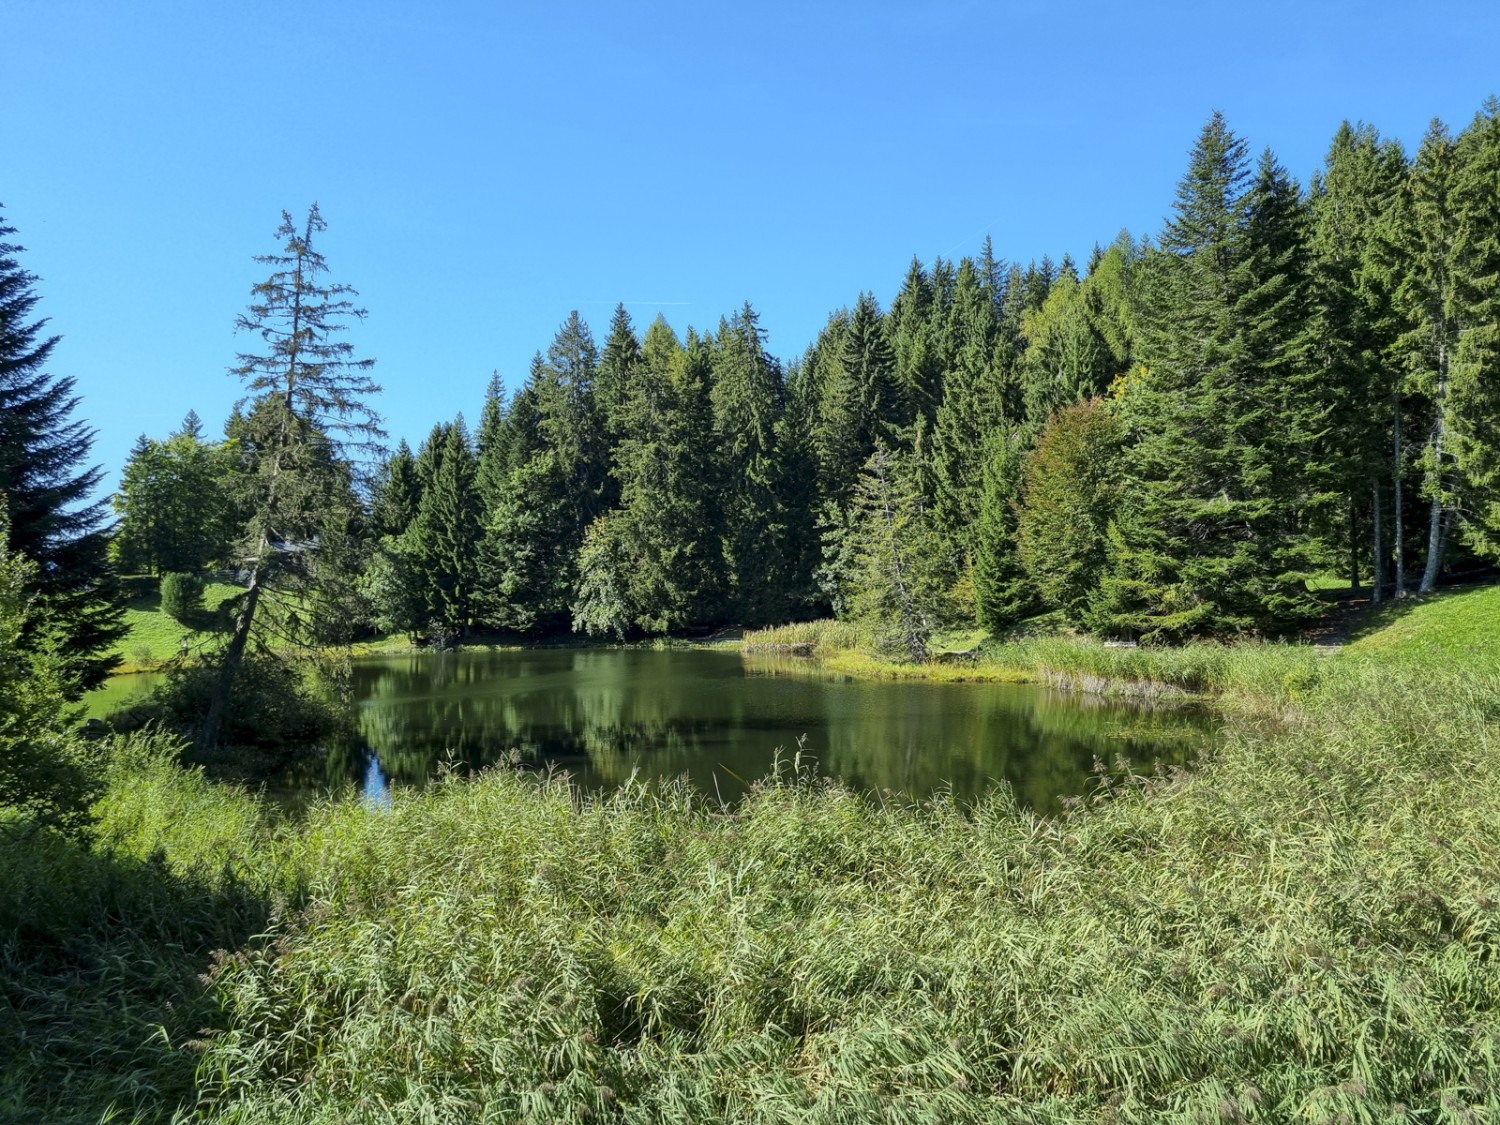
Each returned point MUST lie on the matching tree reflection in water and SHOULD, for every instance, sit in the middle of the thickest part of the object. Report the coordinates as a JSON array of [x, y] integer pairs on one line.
[[719, 718]]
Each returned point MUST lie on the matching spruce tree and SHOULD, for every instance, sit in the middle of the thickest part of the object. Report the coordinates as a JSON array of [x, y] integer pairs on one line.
[[1425, 228], [1223, 411], [443, 539], [748, 397], [1355, 332], [1476, 364], [975, 404], [309, 393], [51, 517]]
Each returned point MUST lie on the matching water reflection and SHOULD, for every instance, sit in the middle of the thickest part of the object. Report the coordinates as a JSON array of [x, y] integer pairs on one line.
[[719, 718]]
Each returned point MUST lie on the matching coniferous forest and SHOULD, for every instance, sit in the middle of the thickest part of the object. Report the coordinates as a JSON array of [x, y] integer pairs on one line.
[[1165, 441]]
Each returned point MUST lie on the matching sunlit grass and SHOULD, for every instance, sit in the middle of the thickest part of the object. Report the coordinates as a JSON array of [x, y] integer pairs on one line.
[[155, 638], [1461, 626], [1303, 929]]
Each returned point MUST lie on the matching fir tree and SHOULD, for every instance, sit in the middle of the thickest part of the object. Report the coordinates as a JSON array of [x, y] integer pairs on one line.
[[51, 519]]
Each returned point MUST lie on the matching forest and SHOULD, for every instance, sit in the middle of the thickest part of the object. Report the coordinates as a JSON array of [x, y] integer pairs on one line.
[[1169, 440]]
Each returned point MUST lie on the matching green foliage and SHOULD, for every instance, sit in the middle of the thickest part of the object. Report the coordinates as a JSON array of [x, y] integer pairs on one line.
[[1227, 414], [1070, 485], [50, 516], [182, 596], [603, 607], [439, 549], [1476, 362], [47, 773], [1004, 594], [1293, 930], [176, 502], [275, 704], [748, 396], [897, 581]]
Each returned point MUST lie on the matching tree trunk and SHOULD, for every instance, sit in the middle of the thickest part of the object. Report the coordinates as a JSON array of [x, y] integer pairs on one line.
[[1353, 547], [1377, 579], [234, 655], [1397, 534], [1435, 539]]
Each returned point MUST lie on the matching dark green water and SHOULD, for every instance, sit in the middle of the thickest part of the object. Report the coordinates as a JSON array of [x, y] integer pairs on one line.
[[720, 718]]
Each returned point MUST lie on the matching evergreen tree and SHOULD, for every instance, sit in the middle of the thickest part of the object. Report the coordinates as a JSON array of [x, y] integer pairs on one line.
[[622, 353], [667, 529], [1355, 330], [1223, 412], [975, 404], [443, 539], [398, 492], [898, 591], [50, 517], [1425, 227], [175, 505], [1476, 364], [748, 396], [1070, 483], [309, 394], [1003, 593], [913, 335], [552, 492]]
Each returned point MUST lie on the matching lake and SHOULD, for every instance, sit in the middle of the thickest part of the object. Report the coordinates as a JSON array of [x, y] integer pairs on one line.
[[720, 718]]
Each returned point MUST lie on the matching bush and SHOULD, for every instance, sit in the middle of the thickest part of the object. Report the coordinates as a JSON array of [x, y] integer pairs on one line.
[[182, 596], [273, 704]]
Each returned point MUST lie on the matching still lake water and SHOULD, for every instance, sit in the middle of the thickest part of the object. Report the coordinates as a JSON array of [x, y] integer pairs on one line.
[[720, 718]]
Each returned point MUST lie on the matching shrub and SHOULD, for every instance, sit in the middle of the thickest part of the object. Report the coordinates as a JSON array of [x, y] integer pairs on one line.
[[182, 596]]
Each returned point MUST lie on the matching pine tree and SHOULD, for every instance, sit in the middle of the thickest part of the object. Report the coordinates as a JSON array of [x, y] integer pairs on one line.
[[309, 393], [51, 519]]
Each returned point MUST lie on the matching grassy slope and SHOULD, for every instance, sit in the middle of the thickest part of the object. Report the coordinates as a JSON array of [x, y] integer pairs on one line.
[[1461, 626], [154, 637], [1304, 929]]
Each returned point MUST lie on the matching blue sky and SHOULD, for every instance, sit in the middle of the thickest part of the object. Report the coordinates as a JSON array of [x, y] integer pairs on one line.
[[485, 168]]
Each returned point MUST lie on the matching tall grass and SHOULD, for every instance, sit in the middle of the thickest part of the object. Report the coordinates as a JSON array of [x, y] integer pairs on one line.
[[1304, 929], [1264, 672]]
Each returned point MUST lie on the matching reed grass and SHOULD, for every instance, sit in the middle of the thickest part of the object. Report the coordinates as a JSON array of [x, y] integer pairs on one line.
[[1303, 929]]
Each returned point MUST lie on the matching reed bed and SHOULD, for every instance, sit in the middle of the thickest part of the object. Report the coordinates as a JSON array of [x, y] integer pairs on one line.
[[1303, 929]]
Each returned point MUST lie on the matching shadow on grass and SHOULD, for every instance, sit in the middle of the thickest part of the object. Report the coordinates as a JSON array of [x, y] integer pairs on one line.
[[103, 993]]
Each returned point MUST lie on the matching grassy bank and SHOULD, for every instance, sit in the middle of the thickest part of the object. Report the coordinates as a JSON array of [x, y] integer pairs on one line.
[[1263, 672], [1305, 929]]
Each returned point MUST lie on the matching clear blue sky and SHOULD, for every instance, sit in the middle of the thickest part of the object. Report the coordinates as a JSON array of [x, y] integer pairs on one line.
[[485, 168]]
